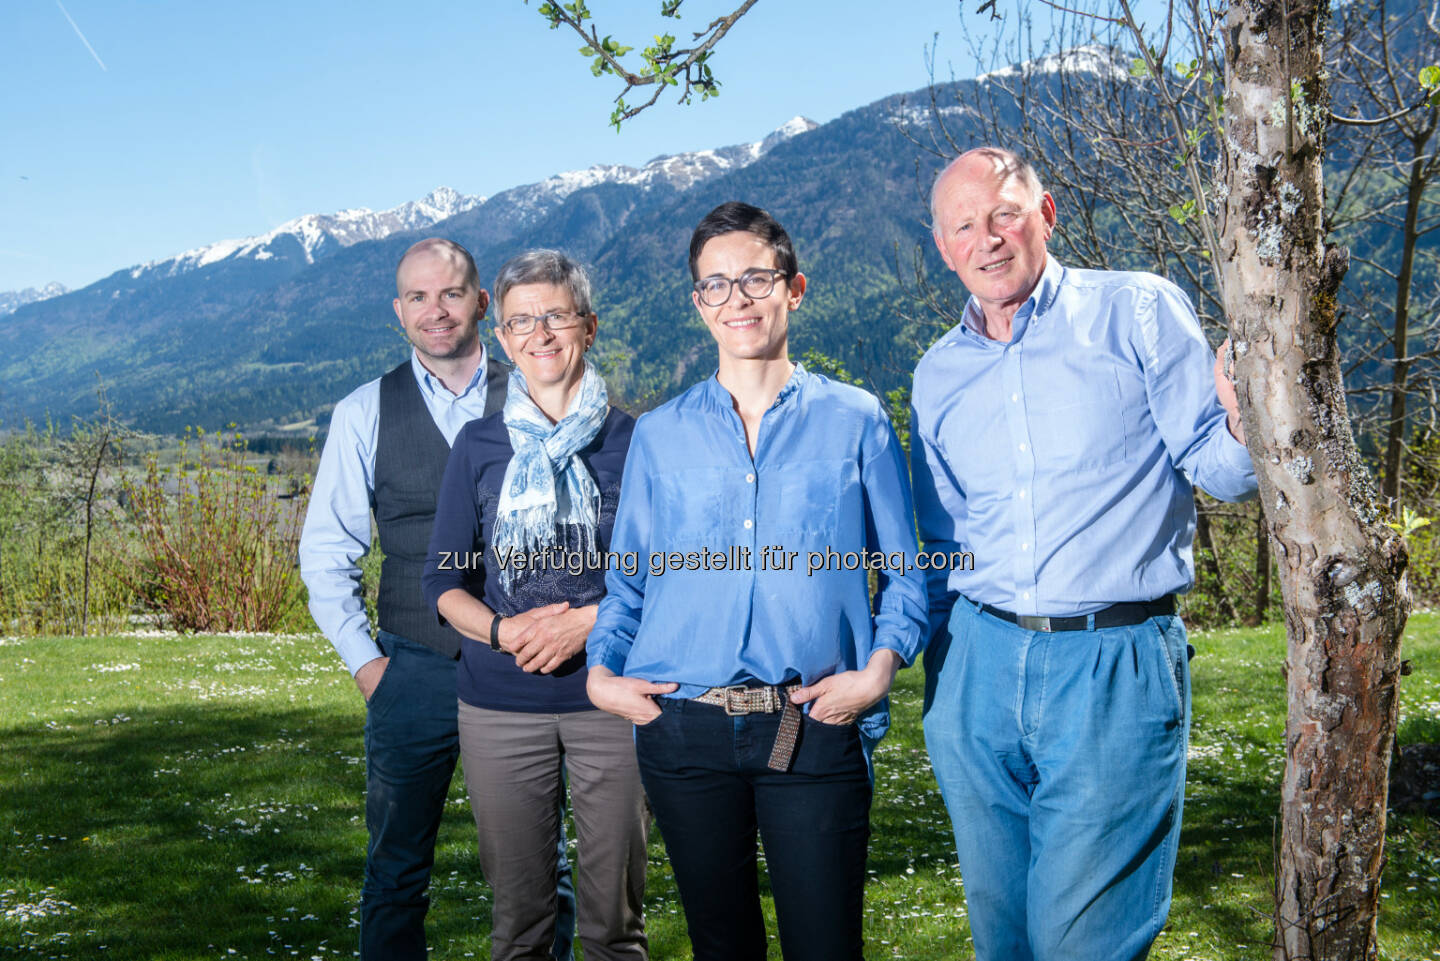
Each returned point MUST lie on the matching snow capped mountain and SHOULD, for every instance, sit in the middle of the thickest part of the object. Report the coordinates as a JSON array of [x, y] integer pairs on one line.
[[317, 234], [793, 127], [680, 171], [1086, 64], [305, 240], [13, 300], [1101, 61]]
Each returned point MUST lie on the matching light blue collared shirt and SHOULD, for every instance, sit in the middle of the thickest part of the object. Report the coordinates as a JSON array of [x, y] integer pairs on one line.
[[337, 526], [1065, 459], [828, 475]]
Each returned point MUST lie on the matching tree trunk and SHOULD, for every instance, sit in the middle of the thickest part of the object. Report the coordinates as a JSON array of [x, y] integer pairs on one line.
[[1341, 569], [1400, 339], [90, 524]]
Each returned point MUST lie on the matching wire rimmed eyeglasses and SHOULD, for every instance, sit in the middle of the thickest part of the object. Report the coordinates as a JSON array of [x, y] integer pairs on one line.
[[522, 324]]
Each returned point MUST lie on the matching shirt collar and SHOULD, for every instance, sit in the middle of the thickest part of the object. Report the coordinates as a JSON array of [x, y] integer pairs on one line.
[[719, 398], [1035, 305], [429, 383]]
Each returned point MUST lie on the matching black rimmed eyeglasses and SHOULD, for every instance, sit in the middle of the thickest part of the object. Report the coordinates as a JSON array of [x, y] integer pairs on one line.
[[755, 283]]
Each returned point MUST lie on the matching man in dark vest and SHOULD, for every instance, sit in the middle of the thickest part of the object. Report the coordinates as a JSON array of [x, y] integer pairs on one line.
[[386, 452]]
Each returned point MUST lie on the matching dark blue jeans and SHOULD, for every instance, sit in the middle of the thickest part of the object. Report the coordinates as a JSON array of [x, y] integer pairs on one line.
[[710, 789], [412, 740]]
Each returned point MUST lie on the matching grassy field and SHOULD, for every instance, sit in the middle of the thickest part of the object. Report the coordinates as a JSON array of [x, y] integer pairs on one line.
[[200, 797]]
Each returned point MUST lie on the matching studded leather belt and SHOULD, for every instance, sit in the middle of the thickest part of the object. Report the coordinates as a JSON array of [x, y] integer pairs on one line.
[[769, 699]]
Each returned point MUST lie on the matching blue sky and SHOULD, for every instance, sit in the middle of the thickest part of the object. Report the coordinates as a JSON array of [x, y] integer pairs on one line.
[[216, 120]]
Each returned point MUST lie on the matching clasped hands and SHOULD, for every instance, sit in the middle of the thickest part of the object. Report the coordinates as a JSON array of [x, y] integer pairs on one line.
[[543, 638]]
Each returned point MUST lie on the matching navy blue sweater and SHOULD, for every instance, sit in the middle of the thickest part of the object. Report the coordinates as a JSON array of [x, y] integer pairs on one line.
[[460, 557]]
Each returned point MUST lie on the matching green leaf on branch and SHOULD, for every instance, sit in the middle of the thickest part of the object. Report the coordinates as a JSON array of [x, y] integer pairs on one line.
[[1409, 522], [1430, 77], [1180, 213], [1139, 69]]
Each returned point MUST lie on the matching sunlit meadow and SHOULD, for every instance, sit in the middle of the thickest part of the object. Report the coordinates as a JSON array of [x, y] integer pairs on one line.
[[168, 796]]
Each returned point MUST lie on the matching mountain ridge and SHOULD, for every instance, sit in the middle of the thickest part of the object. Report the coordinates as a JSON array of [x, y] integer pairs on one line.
[[13, 300], [245, 318]]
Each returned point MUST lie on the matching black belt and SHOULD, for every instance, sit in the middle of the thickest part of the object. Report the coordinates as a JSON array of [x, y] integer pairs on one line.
[[1116, 615]]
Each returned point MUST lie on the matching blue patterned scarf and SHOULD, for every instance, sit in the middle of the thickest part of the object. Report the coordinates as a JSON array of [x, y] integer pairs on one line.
[[546, 483]]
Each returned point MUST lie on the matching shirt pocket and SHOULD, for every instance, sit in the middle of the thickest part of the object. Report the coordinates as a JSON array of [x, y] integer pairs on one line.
[[1082, 429], [689, 509], [802, 501]]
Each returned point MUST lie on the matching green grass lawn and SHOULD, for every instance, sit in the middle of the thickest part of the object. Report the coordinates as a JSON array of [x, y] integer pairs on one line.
[[201, 797]]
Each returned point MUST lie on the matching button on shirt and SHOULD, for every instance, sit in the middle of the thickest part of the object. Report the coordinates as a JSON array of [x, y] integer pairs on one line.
[[337, 526], [1064, 459], [827, 483]]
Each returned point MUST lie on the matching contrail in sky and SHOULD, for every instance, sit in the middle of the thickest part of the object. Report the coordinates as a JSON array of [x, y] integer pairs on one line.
[[82, 36]]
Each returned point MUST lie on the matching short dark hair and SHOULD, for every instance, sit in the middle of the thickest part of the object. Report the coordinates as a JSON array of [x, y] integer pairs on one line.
[[735, 216], [472, 275]]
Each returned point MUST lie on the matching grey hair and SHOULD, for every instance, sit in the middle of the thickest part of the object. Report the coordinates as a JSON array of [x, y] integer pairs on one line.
[[543, 266], [1011, 165]]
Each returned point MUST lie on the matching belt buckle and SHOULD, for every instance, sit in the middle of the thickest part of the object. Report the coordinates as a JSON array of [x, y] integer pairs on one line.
[[1029, 622], [735, 700]]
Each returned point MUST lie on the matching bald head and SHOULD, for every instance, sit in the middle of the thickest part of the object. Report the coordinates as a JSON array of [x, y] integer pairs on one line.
[[448, 249], [982, 162]]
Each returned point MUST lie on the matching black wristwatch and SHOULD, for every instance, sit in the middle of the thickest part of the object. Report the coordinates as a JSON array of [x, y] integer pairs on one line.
[[495, 633]]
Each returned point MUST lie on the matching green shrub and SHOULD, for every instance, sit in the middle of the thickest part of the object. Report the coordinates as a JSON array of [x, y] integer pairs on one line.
[[216, 539], [46, 482]]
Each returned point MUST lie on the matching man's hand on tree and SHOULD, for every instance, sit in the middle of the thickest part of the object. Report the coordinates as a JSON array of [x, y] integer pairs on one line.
[[1225, 390]]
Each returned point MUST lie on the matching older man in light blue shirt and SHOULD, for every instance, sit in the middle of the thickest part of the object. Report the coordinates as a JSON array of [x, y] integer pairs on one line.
[[1058, 433]]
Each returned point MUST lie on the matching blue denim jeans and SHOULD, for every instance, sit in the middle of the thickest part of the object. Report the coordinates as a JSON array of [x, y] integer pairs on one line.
[[412, 740], [1061, 758], [710, 789]]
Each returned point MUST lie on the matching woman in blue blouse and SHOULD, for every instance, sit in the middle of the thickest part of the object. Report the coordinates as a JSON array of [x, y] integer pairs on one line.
[[523, 519], [757, 500]]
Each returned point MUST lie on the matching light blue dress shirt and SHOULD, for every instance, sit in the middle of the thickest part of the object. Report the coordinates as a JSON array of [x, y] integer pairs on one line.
[[1065, 459], [337, 526], [827, 482]]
